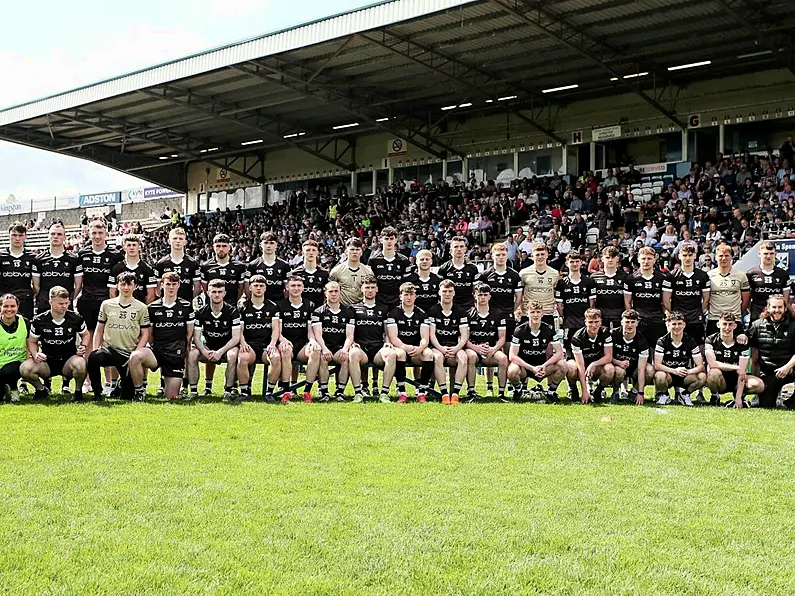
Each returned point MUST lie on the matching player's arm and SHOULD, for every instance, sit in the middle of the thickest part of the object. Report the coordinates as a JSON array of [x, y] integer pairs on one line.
[[36, 280], [627, 299], [517, 303], [607, 358], [643, 359], [658, 364], [197, 287], [350, 328], [425, 333], [434, 340], [316, 332], [666, 298], [580, 361], [557, 353], [463, 331], [746, 294], [233, 341], [99, 334], [559, 299], [513, 357], [712, 361], [392, 335], [698, 360], [276, 332], [742, 378], [500, 340], [146, 335], [151, 288], [198, 341], [33, 345]]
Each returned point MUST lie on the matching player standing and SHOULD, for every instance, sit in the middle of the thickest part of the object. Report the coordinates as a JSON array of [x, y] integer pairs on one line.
[[687, 291], [408, 331], [539, 281], [145, 280], [643, 292], [449, 333], [351, 273], [728, 364], [425, 280], [172, 320], [677, 362], [181, 264], [461, 273], [52, 346], [274, 269], [729, 290], [315, 277], [390, 268], [56, 267], [766, 280], [610, 288], [16, 269], [573, 296]]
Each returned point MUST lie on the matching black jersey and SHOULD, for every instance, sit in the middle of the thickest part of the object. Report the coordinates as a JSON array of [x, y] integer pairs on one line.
[[217, 328], [591, 348], [145, 278], [504, 287], [58, 339], [533, 346], [676, 355], [334, 324], [726, 354], [575, 299], [275, 276], [295, 322], [170, 326], [258, 323], [233, 274], [16, 274], [463, 278], [369, 324], [485, 329], [687, 293], [629, 349], [96, 272], [186, 268], [609, 295], [56, 271], [409, 325], [646, 295], [427, 290], [390, 273], [314, 284], [763, 285], [447, 324]]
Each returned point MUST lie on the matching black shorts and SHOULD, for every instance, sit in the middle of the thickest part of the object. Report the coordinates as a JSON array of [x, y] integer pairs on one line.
[[678, 382], [732, 380], [371, 350], [89, 310], [171, 367], [56, 366], [510, 325], [652, 331]]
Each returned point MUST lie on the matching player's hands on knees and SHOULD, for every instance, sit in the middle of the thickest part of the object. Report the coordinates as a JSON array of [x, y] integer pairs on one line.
[[214, 356], [681, 371], [344, 356], [42, 357], [327, 355], [271, 351], [589, 371], [285, 346], [245, 348]]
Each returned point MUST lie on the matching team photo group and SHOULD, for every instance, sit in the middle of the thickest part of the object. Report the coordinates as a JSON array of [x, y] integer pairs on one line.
[[604, 336]]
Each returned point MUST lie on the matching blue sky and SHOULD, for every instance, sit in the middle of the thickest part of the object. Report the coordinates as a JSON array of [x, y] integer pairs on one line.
[[85, 41]]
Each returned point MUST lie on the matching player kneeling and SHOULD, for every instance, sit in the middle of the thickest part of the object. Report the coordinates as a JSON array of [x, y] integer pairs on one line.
[[172, 322], [408, 332], [630, 360], [592, 347], [216, 337], [677, 362], [258, 340], [487, 329], [332, 327], [728, 365], [52, 344], [536, 352]]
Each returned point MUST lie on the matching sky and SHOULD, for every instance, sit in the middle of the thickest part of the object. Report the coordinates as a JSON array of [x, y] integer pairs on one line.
[[71, 44]]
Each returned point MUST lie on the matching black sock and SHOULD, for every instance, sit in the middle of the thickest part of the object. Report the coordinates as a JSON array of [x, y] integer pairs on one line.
[[456, 388], [400, 376], [426, 372], [194, 388], [323, 388], [443, 388], [266, 387], [245, 389], [283, 386]]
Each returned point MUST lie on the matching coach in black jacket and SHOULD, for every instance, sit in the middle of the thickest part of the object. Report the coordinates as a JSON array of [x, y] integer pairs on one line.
[[772, 339]]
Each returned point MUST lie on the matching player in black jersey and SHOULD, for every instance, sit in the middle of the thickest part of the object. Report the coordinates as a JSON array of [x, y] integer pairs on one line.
[[315, 277], [643, 291], [216, 338], [55, 267], [461, 273], [449, 334], [269, 265], [181, 264], [390, 268], [145, 280], [630, 360], [259, 340], [172, 320], [574, 295], [536, 353], [297, 342], [425, 280], [16, 269], [686, 290], [52, 344], [233, 274], [96, 260], [766, 280], [728, 363], [332, 326], [592, 347], [677, 362], [371, 346], [609, 287], [487, 338], [408, 331]]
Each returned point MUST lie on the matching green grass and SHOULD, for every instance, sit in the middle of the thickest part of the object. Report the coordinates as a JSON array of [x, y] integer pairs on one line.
[[388, 499]]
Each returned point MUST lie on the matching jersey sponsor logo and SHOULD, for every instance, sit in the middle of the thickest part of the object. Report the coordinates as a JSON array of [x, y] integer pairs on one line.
[[16, 273]]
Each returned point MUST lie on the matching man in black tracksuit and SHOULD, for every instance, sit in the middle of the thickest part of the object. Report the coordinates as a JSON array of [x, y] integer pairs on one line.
[[773, 341]]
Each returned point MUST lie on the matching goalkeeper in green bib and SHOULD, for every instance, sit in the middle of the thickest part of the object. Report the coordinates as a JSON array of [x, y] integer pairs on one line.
[[14, 331]]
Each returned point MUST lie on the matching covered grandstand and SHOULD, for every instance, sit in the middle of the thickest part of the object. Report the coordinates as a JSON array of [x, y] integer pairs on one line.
[[437, 88]]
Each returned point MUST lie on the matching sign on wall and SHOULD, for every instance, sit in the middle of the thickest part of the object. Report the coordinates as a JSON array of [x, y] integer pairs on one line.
[[694, 121], [396, 146], [605, 134], [576, 137], [97, 200]]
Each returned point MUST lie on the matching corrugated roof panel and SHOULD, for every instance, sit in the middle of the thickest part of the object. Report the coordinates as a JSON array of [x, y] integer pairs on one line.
[[361, 20]]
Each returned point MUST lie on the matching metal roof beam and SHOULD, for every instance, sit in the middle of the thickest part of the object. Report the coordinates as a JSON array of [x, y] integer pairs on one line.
[[750, 16], [175, 142], [229, 112], [584, 44], [466, 75], [358, 108]]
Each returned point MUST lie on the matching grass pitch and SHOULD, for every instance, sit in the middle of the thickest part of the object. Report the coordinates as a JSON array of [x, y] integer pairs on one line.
[[387, 499]]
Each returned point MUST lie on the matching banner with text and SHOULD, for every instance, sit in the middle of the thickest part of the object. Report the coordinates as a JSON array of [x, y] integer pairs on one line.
[[605, 134], [97, 200]]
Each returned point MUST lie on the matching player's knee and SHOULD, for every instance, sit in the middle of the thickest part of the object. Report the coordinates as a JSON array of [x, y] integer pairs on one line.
[[513, 372], [660, 378], [231, 356], [400, 354], [427, 355], [27, 368], [608, 372], [461, 357], [472, 357]]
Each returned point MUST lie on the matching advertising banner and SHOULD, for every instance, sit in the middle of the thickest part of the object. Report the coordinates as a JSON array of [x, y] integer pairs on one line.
[[97, 200], [605, 134]]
